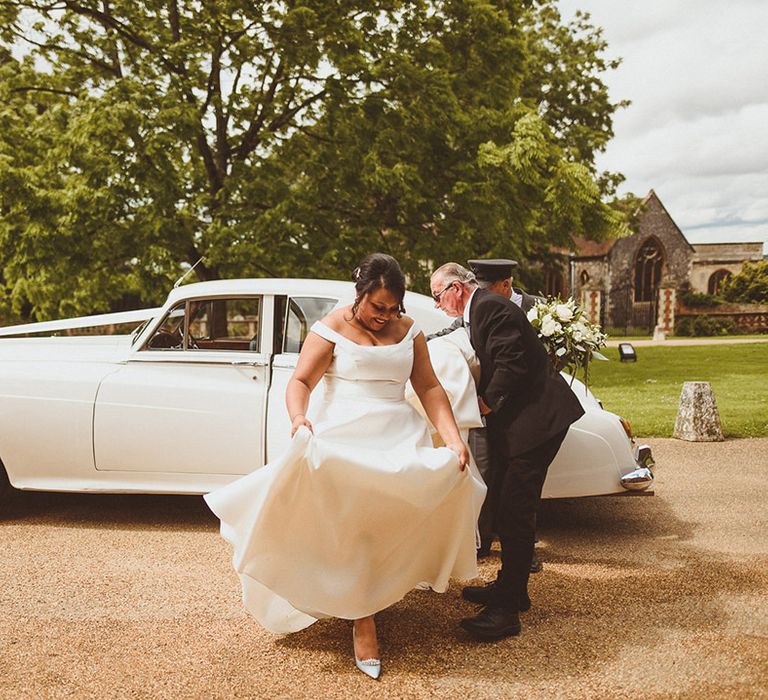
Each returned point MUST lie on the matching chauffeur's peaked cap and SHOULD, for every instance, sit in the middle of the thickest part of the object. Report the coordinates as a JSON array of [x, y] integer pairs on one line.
[[492, 270]]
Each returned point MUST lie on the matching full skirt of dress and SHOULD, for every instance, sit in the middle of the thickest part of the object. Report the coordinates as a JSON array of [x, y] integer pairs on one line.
[[350, 518]]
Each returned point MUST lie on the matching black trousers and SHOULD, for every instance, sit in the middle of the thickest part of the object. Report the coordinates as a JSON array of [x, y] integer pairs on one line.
[[517, 494]]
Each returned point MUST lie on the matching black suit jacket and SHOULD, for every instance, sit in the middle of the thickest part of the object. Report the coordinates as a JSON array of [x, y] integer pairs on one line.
[[530, 401], [526, 303], [528, 300]]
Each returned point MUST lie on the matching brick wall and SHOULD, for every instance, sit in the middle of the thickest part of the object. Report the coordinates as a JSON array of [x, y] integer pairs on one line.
[[748, 317]]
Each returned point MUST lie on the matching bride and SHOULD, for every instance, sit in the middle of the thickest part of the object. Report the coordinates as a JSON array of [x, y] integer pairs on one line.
[[361, 508]]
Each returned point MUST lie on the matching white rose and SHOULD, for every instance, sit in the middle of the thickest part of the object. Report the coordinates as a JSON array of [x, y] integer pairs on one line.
[[564, 312], [532, 314], [549, 326], [578, 336]]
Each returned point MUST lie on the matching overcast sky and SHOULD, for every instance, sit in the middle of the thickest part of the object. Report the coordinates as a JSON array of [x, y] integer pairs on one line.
[[697, 129]]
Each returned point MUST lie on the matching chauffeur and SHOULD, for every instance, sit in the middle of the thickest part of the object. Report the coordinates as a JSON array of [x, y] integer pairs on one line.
[[529, 408], [495, 275]]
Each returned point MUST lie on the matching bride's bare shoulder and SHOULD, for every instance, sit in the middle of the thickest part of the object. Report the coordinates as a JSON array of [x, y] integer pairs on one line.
[[405, 322], [402, 326], [337, 319]]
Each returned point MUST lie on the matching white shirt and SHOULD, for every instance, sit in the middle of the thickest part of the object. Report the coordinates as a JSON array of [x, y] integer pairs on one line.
[[466, 308]]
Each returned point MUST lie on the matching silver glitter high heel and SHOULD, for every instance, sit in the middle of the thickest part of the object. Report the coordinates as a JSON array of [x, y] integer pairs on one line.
[[370, 667]]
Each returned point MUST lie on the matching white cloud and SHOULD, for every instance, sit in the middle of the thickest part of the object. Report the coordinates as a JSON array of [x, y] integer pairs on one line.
[[703, 201], [732, 144], [695, 131], [694, 69]]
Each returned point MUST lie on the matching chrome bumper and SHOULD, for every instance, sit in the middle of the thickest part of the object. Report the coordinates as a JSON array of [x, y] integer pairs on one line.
[[641, 478]]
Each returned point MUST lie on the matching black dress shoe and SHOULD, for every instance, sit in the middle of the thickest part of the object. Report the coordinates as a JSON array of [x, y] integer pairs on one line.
[[493, 623], [536, 564], [484, 595]]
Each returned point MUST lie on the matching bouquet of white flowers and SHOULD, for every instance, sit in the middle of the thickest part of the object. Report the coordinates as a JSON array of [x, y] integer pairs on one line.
[[570, 339]]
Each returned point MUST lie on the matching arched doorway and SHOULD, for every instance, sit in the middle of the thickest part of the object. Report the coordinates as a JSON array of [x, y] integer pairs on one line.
[[716, 281]]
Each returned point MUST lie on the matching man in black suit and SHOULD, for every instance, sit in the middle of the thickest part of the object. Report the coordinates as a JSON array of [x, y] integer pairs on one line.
[[495, 275], [528, 409]]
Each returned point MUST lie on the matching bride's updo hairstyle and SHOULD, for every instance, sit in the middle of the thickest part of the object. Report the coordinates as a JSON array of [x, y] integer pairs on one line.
[[378, 271]]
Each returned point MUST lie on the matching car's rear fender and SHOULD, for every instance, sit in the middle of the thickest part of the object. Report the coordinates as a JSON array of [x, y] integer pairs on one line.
[[596, 453], [46, 414]]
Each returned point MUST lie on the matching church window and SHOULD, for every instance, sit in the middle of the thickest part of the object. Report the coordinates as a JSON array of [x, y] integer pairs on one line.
[[584, 278], [648, 266]]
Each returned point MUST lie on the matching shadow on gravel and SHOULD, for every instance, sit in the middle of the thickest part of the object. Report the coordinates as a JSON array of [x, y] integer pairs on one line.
[[603, 518], [108, 511], [619, 582]]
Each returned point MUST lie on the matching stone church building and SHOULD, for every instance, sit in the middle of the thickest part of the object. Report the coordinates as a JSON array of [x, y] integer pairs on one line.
[[632, 282]]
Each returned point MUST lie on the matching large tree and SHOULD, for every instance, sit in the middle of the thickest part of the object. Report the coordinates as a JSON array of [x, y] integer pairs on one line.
[[287, 138]]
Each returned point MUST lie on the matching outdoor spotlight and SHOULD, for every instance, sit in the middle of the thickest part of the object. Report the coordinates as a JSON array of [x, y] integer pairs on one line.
[[627, 352]]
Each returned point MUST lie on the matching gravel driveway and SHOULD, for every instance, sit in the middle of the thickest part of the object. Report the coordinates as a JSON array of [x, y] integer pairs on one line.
[[663, 597]]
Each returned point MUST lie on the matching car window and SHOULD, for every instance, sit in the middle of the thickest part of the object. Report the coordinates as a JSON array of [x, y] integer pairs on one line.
[[169, 334], [138, 331], [211, 324], [302, 312]]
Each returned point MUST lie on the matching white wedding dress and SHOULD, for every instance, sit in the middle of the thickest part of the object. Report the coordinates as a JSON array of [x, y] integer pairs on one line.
[[354, 516]]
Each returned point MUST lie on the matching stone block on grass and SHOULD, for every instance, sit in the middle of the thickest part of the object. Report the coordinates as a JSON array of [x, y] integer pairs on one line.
[[697, 417]]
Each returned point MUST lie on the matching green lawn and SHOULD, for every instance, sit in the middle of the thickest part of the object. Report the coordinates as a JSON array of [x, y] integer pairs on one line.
[[647, 392]]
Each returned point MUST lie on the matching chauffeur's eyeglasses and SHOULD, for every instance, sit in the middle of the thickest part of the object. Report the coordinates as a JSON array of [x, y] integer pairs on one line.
[[437, 296]]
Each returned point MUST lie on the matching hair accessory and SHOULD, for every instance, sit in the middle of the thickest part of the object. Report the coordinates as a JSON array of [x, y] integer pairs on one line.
[[356, 274]]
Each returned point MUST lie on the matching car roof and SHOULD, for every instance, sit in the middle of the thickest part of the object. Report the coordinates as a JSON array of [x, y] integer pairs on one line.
[[419, 306], [287, 285]]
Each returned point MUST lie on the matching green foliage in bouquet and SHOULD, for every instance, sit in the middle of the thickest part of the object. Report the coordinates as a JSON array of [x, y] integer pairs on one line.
[[571, 340]]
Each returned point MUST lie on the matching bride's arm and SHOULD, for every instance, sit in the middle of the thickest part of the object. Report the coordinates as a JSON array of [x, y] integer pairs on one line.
[[315, 357], [435, 400]]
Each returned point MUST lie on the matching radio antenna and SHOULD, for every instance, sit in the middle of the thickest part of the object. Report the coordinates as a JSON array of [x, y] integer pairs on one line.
[[184, 276]]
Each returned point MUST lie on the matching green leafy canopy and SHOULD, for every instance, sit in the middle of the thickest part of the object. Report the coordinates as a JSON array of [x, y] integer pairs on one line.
[[288, 139]]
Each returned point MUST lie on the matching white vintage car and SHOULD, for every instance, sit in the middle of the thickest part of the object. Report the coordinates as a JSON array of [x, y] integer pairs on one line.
[[194, 397]]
